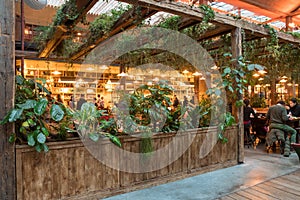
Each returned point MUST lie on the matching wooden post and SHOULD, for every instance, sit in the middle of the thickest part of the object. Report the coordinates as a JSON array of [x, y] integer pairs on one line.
[[7, 88], [288, 22], [236, 44]]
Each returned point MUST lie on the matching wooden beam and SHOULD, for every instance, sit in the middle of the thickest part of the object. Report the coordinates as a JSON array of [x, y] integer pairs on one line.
[[219, 30], [54, 41], [7, 87], [127, 21], [26, 54], [61, 30], [195, 13], [236, 46], [187, 22]]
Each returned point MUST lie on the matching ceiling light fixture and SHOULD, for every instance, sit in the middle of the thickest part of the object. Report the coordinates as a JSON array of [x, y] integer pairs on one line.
[[56, 72], [122, 74], [197, 74]]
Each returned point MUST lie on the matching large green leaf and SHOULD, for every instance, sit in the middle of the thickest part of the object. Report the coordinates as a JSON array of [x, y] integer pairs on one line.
[[41, 138], [42, 88], [57, 114], [28, 104], [94, 136], [41, 106], [5, 119], [255, 66], [45, 147], [20, 79], [29, 92], [15, 115], [30, 140], [45, 131], [12, 138], [115, 140], [227, 70]]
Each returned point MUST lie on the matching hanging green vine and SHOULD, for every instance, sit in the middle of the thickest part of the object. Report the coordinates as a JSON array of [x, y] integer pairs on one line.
[[209, 13], [170, 23]]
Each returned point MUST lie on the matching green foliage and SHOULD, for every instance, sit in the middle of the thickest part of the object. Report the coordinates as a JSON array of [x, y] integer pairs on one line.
[[170, 23], [228, 121], [273, 34], [209, 13], [150, 104], [103, 24], [68, 11], [44, 33], [89, 126], [258, 102], [205, 109], [295, 34], [233, 78], [33, 113]]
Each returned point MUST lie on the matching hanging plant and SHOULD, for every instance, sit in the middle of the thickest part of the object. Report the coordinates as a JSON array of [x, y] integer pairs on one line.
[[67, 12], [170, 23], [209, 14]]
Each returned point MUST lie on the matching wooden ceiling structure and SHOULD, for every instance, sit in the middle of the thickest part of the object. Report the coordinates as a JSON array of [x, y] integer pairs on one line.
[[191, 16], [62, 29], [283, 10]]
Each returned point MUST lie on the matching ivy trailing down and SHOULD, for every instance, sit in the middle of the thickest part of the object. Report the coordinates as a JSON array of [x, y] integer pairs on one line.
[[209, 14], [171, 23], [103, 24]]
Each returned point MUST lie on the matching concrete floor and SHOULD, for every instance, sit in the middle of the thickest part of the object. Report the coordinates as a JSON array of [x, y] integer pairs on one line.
[[258, 167]]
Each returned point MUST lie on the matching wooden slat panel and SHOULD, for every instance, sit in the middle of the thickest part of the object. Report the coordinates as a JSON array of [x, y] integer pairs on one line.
[[259, 194], [288, 184], [64, 165], [237, 196], [19, 174], [293, 178], [47, 172], [80, 172], [283, 188], [28, 175], [274, 192], [248, 195], [56, 174], [226, 198], [70, 171], [91, 172]]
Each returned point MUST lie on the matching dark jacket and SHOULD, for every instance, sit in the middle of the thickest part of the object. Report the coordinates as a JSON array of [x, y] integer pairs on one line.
[[80, 102], [295, 110], [277, 114], [247, 112]]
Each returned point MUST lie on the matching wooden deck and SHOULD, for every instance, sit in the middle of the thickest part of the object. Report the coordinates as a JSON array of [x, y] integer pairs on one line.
[[284, 187]]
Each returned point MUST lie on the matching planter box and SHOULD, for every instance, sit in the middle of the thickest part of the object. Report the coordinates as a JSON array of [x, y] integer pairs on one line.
[[69, 171]]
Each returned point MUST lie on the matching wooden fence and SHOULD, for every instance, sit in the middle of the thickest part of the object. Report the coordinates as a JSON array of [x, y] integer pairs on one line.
[[70, 171]]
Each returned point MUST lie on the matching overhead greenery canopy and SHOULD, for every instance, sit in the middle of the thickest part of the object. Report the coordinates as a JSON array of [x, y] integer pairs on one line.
[[277, 58]]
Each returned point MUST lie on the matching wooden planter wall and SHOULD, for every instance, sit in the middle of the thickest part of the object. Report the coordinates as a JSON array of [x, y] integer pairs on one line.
[[69, 171]]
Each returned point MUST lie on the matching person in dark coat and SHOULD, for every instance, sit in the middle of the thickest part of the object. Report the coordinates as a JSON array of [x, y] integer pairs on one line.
[[175, 102], [80, 102], [294, 107], [277, 116], [247, 119]]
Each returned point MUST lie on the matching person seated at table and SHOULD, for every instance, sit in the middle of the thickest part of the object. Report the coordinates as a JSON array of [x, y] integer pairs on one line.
[[248, 111], [294, 108], [277, 116]]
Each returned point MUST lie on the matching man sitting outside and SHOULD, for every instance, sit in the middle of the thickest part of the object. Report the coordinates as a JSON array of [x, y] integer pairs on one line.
[[277, 116]]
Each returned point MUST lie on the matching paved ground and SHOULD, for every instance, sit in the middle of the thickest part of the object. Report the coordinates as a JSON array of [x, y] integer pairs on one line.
[[258, 167]]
